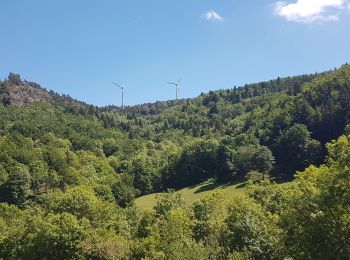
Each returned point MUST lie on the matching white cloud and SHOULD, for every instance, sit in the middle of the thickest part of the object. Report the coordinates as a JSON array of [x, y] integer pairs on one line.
[[212, 16], [309, 11]]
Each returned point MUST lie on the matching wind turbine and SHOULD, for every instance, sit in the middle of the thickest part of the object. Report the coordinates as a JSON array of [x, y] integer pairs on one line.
[[122, 89], [176, 84]]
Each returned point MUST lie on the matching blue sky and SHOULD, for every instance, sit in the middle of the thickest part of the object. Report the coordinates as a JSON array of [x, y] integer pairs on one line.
[[80, 47]]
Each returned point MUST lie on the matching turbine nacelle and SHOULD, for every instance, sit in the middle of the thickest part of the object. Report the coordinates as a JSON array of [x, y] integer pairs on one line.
[[120, 86]]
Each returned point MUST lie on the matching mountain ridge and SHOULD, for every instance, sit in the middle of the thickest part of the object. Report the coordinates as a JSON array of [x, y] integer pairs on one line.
[[22, 92]]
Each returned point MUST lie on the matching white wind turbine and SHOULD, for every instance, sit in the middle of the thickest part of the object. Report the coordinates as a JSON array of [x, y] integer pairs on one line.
[[177, 89], [122, 88]]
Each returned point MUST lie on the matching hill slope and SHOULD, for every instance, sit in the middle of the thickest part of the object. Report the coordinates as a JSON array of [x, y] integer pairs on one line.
[[278, 126], [69, 173]]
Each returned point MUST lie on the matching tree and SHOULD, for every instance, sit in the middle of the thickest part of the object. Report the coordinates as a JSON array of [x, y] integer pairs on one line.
[[123, 191], [317, 211], [17, 187], [103, 244], [329, 96], [239, 155], [263, 159], [175, 237], [207, 221], [225, 163], [143, 171], [109, 147], [196, 164], [168, 201], [14, 79], [3, 175], [5, 95], [250, 228], [58, 236], [39, 174], [295, 149]]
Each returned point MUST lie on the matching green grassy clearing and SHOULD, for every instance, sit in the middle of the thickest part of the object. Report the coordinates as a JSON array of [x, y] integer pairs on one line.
[[193, 193]]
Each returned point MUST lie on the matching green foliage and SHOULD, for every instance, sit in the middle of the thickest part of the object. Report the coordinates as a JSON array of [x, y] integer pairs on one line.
[[172, 144], [70, 171], [175, 237], [317, 215], [17, 187], [329, 97], [3, 175], [104, 244], [167, 202], [104, 192], [196, 164], [295, 149], [254, 177], [207, 226], [239, 155], [29, 236], [123, 191], [270, 196], [250, 228], [14, 79]]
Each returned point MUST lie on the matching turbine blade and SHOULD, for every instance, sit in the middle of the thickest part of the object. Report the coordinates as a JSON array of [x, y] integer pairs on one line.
[[118, 85]]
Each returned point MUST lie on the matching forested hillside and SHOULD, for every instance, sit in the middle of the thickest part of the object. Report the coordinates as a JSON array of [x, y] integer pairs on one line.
[[69, 173]]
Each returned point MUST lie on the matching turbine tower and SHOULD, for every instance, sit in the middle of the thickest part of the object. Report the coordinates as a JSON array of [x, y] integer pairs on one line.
[[177, 89], [122, 88]]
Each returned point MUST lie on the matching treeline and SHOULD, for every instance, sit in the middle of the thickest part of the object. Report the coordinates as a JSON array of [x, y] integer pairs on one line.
[[199, 116], [306, 219], [276, 127]]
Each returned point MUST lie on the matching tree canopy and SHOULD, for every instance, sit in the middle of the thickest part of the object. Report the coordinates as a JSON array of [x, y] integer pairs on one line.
[[69, 173]]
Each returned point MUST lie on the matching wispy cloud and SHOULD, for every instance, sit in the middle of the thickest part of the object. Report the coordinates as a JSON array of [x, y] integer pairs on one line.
[[310, 11], [212, 16]]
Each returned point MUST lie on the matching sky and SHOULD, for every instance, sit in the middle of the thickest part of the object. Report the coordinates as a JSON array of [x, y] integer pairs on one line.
[[80, 47]]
